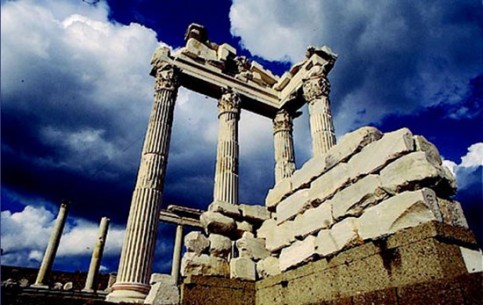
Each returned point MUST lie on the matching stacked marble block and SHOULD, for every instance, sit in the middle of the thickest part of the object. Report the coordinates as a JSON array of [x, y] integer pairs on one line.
[[365, 188], [229, 248]]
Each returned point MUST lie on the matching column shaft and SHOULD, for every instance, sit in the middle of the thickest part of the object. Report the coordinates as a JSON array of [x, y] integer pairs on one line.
[[178, 245], [316, 91], [226, 174], [53, 244], [283, 144], [97, 255], [138, 249]]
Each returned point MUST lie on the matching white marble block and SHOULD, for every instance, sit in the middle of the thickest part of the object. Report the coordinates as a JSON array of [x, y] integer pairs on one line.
[[329, 183], [251, 247], [196, 242], [312, 169], [298, 253], [291, 206], [204, 265], [313, 220], [254, 213], [220, 246], [268, 266], [277, 193], [243, 268]]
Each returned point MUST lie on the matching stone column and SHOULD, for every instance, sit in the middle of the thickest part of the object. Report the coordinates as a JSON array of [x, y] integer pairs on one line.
[[316, 90], [96, 256], [283, 143], [226, 175], [178, 246], [52, 246], [138, 248]]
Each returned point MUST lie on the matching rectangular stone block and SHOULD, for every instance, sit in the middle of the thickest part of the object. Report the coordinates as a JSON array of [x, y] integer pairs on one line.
[[325, 244], [268, 266], [350, 144], [326, 185], [473, 259], [410, 171], [254, 213], [251, 247], [281, 236], [346, 233], [376, 155], [298, 253], [225, 208], [313, 220], [291, 206], [243, 268], [352, 200], [277, 193], [205, 265], [312, 169], [432, 153], [404, 210]]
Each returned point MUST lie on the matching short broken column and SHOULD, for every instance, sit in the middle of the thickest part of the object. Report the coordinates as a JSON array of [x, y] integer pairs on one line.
[[178, 245], [226, 175], [283, 144], [316, 90], [52, 246], [138, 248], [97, 255]]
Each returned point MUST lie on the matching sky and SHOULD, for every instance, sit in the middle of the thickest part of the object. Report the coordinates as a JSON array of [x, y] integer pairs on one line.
[[76, 96]]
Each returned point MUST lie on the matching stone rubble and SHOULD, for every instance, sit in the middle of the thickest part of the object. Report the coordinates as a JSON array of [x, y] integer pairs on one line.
[[196, 242]]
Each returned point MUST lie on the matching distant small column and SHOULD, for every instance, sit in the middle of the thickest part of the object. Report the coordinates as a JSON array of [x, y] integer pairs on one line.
[[226, 175], [137, 253], [97, 255], [178, 246], [316, 90], [283, 144], [52, 246]]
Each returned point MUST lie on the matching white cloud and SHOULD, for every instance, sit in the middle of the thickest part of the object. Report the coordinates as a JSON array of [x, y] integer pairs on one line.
[[466, 172]]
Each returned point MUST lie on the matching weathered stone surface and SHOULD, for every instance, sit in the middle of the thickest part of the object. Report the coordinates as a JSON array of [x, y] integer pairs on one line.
[[452, 213], [266, 228], [161, 278], [352, 200], [278, 236], [312, 169], [242, 268], [277, 193], [376, 155], [68, 286], [429, 148], [329, 183], [268, 266], [291, 206], [404, 210], [23, 282], [164, 291], [217, 223], [196, 242], [298, 253], [473, 259], [345, 233], [313, 220], [325, 244], [242, 227], [350, 144], [204, 265], [220, 246], [251, 247], [225, 208], [413, 171], [57, 286], [254, 213]]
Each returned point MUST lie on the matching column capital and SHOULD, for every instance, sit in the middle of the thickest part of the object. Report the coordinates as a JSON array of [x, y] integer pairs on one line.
[[229, 102], [167, 77], [316, 85], [282, 121]]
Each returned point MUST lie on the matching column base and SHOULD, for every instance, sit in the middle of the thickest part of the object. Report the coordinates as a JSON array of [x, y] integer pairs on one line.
[[128, 293]]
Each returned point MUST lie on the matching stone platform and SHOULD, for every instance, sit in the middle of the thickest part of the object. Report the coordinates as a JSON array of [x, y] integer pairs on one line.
[[421, 265]]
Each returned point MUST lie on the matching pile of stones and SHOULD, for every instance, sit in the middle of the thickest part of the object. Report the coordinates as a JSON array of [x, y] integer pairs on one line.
[[228, 247]]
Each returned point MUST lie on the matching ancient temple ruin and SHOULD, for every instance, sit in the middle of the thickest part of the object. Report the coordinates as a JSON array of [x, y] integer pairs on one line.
[[370, 219]]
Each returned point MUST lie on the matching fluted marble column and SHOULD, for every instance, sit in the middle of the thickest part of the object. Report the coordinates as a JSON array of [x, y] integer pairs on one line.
[[283, 143], [226, 174], [97, 255], [178, 246], [52, 246], [138, 249], [316, 90]]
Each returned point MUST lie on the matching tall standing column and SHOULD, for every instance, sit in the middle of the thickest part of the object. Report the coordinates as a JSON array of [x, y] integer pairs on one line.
[[283, 144], [226, 175], [138, 249], [97, 255], [316, 91], [178, 245], [52, 246]]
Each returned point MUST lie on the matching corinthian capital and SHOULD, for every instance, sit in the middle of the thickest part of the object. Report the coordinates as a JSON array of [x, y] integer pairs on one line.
[[229, 102], [167, 78], [316, 84], [282, 121]]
